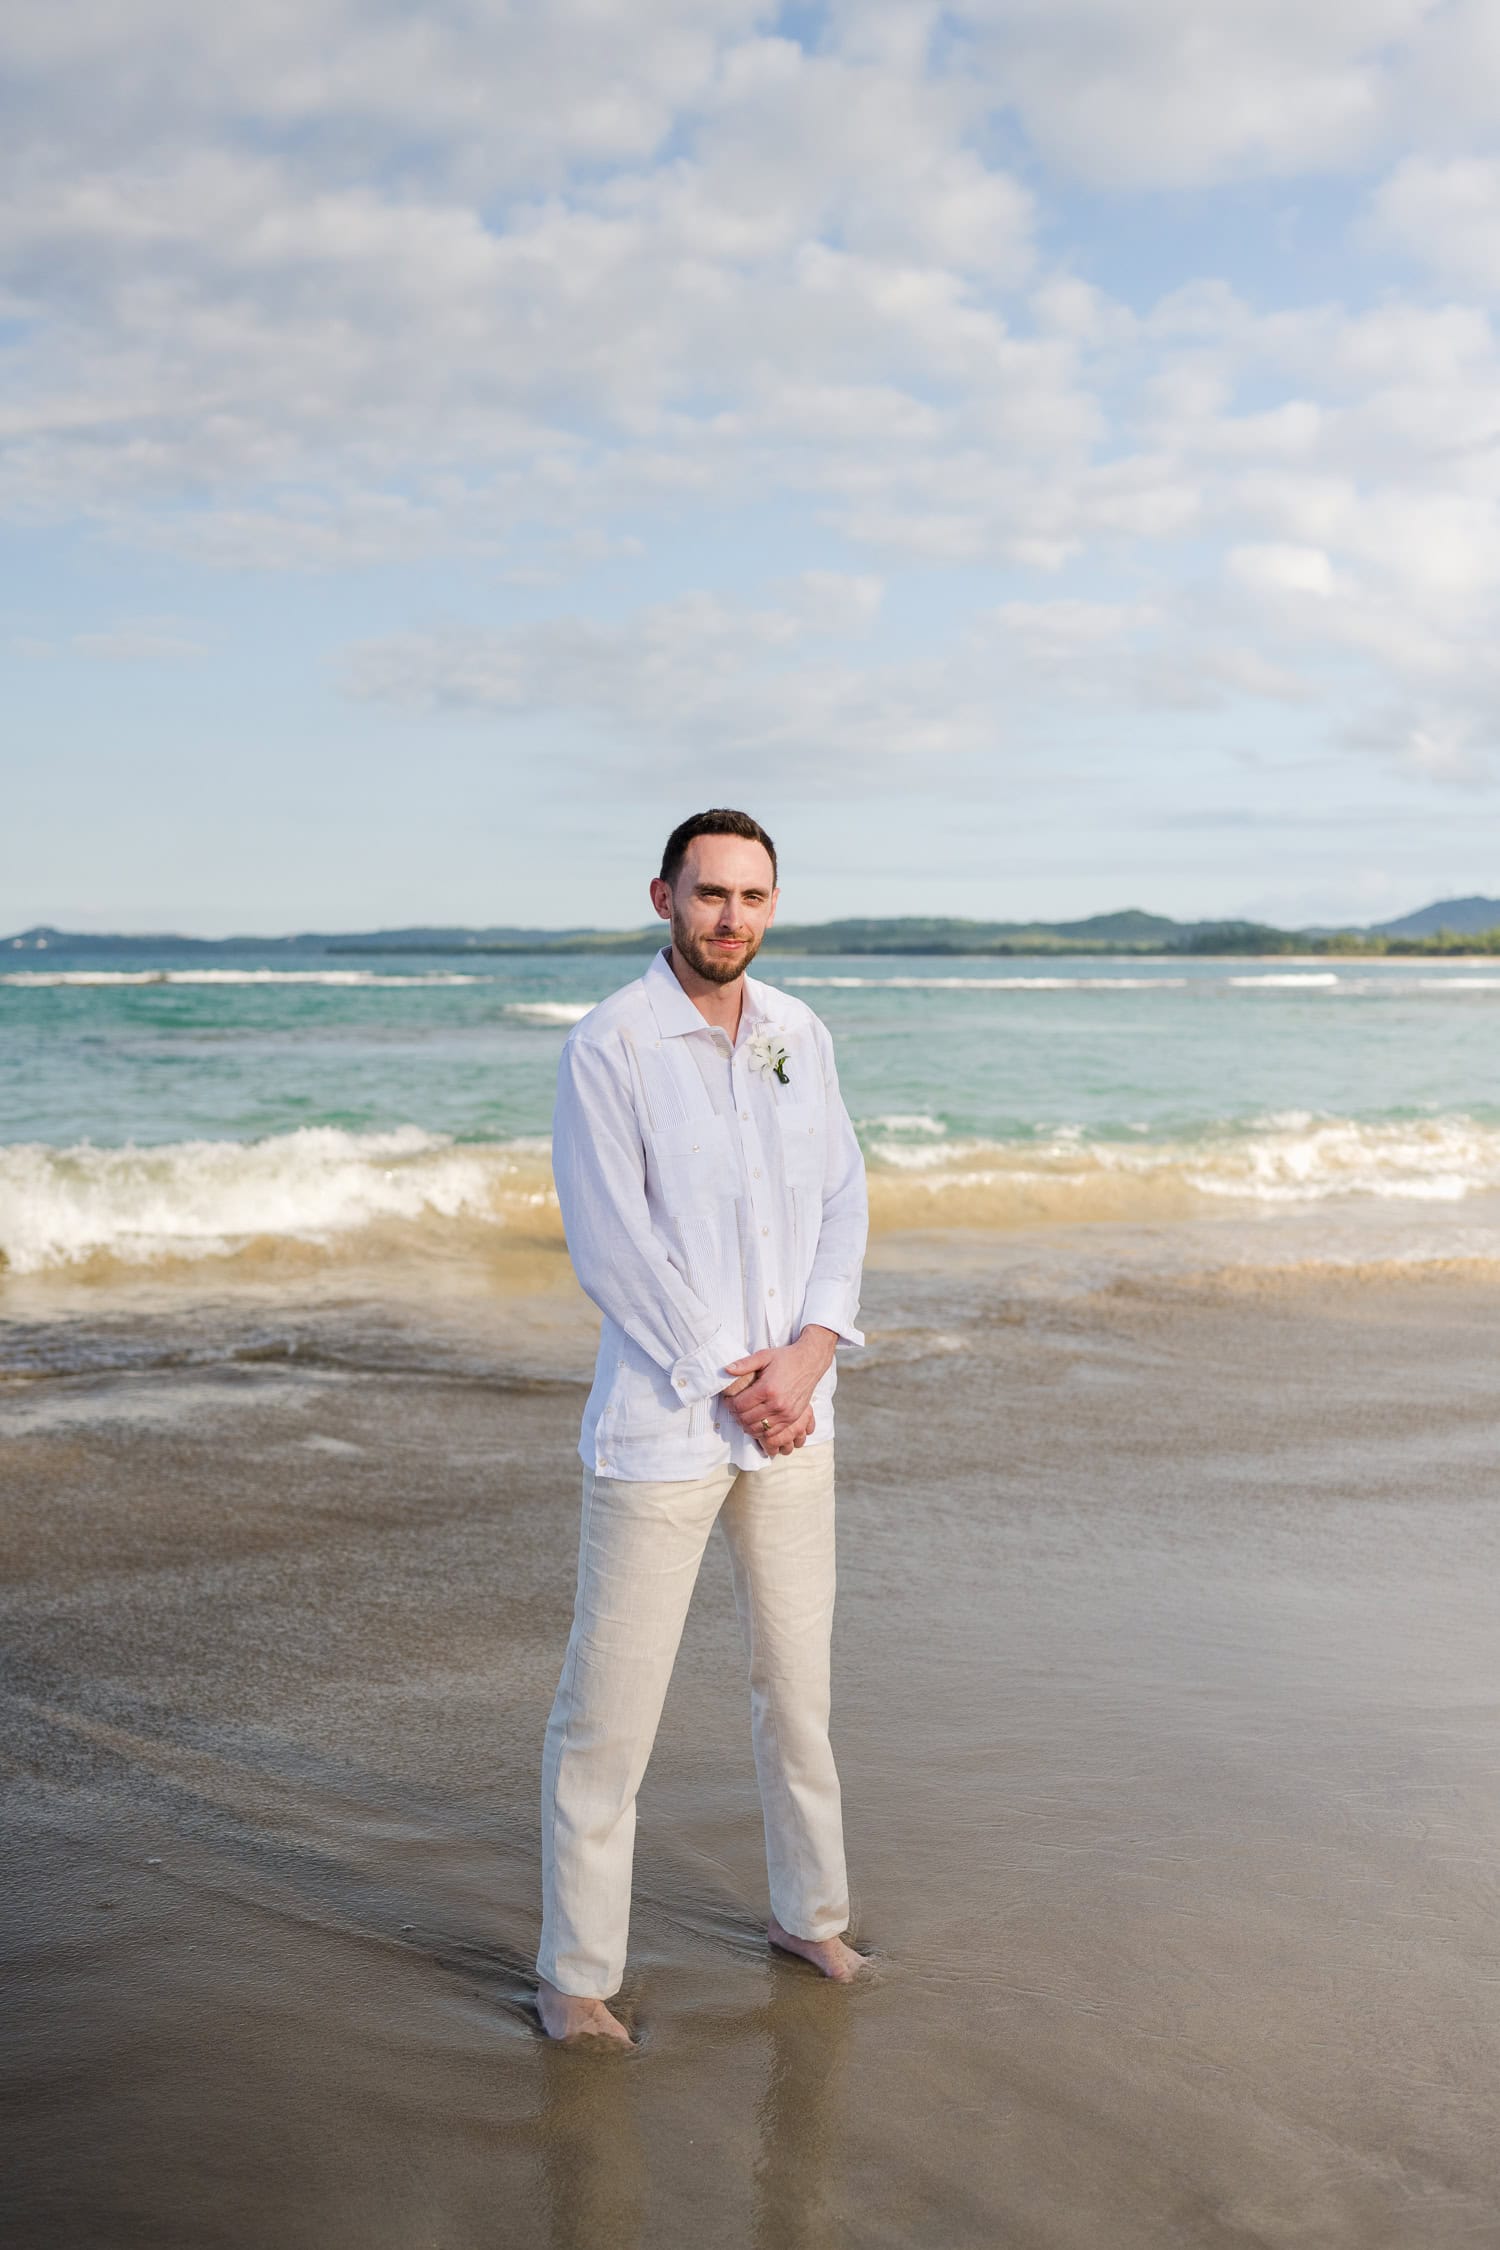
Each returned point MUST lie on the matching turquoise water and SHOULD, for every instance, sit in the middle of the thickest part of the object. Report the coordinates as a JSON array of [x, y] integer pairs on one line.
[[995, 1049], [172, 1099]]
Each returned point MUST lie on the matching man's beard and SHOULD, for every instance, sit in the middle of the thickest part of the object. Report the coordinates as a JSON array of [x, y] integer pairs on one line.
[[716, 967]]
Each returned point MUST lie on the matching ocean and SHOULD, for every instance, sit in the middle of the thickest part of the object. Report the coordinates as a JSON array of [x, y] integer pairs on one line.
[[162, 1113], [1165, 1661]]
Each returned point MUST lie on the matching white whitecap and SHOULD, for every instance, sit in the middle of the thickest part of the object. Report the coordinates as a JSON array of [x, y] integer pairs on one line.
[[207, 1199], [1287, 1159], [902, 1121], [1288, 977], [549, 1011], [995, 984], [1401, 986], [367, 979]]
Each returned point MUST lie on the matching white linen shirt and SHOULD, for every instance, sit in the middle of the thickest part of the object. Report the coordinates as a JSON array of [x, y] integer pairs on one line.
[[710, 1212]]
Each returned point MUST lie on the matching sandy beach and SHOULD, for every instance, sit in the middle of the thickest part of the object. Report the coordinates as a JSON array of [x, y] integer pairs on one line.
[[1166, 1697], [646, 612]]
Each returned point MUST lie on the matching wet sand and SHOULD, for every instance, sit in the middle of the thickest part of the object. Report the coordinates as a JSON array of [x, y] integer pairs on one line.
[[1168, 1711]]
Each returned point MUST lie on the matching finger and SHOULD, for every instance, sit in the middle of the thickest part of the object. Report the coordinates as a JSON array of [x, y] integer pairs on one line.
[[751, 1364], [779, 1427], [732, 1390], [778, 1435], [753, 1410]]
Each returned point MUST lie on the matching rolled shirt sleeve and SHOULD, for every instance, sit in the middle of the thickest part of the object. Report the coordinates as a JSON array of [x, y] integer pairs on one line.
[[599, 1165]]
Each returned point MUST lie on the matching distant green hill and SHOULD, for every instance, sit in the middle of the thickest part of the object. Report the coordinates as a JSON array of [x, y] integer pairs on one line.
[[1453, 926], [41, 937], [1131, 931], [1465, 917]]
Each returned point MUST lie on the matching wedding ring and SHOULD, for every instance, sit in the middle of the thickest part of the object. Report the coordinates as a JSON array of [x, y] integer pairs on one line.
[[766, 1424]]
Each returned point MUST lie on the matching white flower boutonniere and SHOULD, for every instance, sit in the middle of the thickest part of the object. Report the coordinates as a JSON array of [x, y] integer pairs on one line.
[[768, 1053]]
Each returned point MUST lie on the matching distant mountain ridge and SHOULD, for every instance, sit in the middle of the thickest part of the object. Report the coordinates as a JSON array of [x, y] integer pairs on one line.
[[1464, 916], [1129, 930], [43, 936]]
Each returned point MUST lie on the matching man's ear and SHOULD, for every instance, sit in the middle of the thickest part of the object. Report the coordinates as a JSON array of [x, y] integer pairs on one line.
[[661, 898], [770, 918]]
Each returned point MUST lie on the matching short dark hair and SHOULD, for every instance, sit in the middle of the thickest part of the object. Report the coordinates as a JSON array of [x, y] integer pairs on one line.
[[720, 821]]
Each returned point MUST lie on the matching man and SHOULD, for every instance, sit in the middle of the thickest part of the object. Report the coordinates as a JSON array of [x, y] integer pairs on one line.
[[713, 1195]]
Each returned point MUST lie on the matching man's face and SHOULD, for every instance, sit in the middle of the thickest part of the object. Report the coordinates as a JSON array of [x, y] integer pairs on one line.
[[720, 907]]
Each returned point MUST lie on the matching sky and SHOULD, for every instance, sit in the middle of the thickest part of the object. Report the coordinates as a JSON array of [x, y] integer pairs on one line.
[[1039, 456]]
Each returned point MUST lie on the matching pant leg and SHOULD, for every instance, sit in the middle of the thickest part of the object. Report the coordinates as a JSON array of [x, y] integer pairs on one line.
[[638, 1554], [779, 1524]]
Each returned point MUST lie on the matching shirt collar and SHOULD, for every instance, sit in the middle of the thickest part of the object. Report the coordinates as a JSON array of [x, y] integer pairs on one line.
[[674, 1011]]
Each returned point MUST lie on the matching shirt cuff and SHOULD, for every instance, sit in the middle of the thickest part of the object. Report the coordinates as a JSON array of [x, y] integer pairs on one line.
[[826, 1305], [702, 1374]]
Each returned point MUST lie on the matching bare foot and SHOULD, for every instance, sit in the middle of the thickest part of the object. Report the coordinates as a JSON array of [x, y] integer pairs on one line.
[[565, 2016], [831, 1955]]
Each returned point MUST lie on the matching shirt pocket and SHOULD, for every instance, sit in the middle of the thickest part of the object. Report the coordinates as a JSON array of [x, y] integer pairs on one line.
[[802, 1143], [693, 1166]]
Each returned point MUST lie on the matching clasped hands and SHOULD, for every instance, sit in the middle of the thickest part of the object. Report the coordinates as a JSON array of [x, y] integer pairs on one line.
[[772, 1390]]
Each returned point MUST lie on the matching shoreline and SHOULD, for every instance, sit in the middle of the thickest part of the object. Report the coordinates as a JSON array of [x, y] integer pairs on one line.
[[498, 1306]]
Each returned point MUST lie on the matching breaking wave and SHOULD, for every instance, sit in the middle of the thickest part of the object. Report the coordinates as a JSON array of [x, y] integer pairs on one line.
[[334, 1192], [214, 1199], [1282, 1162]]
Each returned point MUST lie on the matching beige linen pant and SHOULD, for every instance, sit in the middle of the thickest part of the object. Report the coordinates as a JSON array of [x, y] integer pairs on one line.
[[638, 1558]]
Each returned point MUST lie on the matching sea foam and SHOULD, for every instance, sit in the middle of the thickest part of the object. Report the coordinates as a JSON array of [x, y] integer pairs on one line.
[[990, 984], [337, 1192], [210, 1199], [549, 1012]]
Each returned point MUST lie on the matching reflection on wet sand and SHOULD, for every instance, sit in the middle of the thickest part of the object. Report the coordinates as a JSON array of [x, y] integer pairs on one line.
[[798, 2183], [1165, 1680], [593, 2160], [595, 2164]]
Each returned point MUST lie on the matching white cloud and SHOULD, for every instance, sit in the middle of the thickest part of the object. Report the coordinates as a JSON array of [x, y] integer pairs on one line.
[[699, 676], [1063, 632], [1175, 93], [1444, 756], [325, 287], [1279, 570], [1446, 215], [791, 686]]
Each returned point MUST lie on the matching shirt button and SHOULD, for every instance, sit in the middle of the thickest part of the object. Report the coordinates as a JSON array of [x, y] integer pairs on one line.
[[755, 1175], [764, 1230], [770, 1292], [682, 1382], [745, 1114]]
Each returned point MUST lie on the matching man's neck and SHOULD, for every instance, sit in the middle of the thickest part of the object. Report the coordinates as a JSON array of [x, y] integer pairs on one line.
[[718, 1004]]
